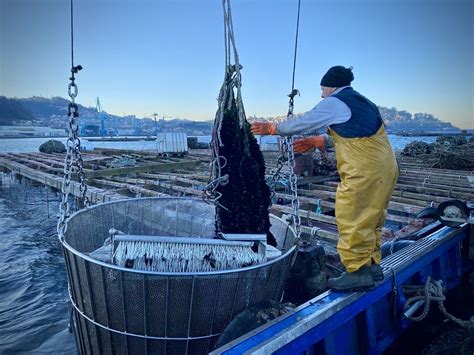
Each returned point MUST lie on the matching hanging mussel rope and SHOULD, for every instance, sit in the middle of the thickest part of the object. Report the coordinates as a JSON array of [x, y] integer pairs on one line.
[[237, 185]]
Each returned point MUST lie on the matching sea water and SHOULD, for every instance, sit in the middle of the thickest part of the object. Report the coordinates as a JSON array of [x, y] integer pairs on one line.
[[34, 310], [24, 145]]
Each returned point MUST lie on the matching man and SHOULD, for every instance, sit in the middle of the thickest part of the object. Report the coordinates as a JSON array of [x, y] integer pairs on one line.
[[367, 168]]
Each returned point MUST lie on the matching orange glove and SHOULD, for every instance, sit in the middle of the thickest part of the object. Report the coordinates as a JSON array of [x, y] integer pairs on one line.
[[264, 128], [304, 144]]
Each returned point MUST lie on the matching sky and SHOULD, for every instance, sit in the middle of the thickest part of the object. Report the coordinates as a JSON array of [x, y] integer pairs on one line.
[[167, 56]]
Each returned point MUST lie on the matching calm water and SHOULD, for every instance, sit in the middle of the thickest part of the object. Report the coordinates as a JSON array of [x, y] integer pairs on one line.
[[33, 287], [23, 145]]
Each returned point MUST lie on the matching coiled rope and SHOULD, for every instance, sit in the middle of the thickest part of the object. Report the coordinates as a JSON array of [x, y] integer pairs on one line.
[[431, 291]]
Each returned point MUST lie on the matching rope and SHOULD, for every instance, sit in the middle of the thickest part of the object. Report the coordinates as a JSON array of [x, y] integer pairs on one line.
[[229, 69], [72, 34], [430, 291], [392, 244], [232, 80], [318, 209], [296, 46]]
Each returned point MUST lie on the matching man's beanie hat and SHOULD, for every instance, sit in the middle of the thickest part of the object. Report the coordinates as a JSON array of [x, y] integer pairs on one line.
[[337, 77]]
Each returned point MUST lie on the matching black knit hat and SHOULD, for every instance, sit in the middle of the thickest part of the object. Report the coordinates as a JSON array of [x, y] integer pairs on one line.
[[337, 77]]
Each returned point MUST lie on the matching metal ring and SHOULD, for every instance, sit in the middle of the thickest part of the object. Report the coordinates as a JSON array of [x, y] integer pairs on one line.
[[70, 92], [132, 334], [314, 230]]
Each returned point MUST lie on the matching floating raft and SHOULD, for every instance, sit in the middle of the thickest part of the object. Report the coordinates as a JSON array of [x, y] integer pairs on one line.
[[418, 187]]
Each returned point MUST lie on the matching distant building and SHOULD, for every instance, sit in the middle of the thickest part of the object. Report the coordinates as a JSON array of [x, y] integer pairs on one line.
[[90, 130], [126, 132], [31, 131]]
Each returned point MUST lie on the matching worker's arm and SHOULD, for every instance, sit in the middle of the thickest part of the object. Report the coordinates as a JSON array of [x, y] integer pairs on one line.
[[321, 142], [329, 111]]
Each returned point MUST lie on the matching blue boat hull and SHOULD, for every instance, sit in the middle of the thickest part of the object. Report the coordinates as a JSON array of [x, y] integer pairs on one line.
[[369, 322]]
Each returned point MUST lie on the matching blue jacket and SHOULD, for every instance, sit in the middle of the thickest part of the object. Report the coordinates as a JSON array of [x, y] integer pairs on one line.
[[365, 118]]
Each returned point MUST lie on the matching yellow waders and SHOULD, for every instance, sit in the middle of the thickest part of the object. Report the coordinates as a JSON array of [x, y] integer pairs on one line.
[[368, 170]]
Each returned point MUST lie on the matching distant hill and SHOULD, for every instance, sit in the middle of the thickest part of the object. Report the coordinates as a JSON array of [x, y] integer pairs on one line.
[[44, 109], [39, 111], [403, 121], [12, 112], [52, 112], [400, 121]]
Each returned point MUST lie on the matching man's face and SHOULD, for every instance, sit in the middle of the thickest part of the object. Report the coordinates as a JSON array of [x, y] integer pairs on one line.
[[326, 91]]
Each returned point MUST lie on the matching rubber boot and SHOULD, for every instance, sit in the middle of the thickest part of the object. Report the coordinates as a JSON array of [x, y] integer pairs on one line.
[[377, 272], [360, 280]]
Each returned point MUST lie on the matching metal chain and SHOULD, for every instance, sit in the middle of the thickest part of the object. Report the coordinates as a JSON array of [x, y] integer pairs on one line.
[[278, 173], [287, 154], [73, 114], [295, 203], [73, 147], [293, 179], [287, 151], [73, 156]]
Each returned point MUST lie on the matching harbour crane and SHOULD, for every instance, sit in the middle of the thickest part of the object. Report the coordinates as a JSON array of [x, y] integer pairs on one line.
[[102, 117]]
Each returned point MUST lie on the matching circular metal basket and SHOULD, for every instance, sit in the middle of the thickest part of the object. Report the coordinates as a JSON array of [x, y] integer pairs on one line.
[[121, 310]]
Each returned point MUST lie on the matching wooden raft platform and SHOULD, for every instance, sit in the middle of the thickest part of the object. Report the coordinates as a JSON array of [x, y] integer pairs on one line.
[[117, 174]]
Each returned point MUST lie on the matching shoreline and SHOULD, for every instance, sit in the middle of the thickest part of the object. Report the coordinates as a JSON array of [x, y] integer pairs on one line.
[[430, 134], [131, 138]]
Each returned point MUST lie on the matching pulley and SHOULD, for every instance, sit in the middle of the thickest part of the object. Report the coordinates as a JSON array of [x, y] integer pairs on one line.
[[453, 213]]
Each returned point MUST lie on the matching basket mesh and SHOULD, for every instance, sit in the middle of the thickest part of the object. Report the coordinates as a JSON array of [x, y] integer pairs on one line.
[[122, 310]]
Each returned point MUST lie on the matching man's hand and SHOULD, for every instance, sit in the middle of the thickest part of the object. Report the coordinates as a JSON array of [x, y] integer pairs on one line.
[[304, 144], [264, 128]]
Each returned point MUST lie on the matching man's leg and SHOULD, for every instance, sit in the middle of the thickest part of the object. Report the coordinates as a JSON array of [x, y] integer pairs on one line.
[[357, 240]]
